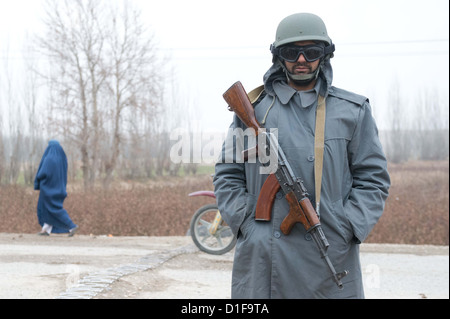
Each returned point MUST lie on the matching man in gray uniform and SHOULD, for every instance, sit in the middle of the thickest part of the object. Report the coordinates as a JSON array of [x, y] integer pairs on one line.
[[354, 183]]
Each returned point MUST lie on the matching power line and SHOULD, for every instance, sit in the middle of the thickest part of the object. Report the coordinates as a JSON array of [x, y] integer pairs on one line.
[[422, 41], [242, 48], [396, 42]]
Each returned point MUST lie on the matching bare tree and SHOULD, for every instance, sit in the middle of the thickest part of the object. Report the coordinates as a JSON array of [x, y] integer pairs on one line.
[[14, 130], [134, 81], [2, 149], [431, 126], [397, 144], [33, 143], [103, 65], [73, 53]]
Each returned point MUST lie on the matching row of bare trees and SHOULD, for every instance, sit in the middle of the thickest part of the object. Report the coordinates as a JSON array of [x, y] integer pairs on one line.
[[103, 89], [418, 127], [98, 81], [105, 80]]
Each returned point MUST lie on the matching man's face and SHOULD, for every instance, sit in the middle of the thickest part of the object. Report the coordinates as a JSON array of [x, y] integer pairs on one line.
[[301, 66]]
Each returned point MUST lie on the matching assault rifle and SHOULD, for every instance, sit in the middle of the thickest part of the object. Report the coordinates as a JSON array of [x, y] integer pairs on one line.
[[300, 207]]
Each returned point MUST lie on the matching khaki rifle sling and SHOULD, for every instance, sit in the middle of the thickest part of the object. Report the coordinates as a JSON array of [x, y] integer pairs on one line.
[[319, 139], [254, 94], [319, 145]]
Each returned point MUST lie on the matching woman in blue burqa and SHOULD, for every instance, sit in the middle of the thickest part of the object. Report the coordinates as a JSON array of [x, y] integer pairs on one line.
[[51, 180]]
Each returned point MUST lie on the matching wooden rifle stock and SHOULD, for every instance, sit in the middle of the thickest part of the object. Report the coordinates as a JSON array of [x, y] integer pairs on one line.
[[302, 212], [238, 101], [266, 198]]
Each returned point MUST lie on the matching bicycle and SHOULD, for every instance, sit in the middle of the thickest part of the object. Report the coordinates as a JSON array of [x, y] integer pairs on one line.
[[208, 230]]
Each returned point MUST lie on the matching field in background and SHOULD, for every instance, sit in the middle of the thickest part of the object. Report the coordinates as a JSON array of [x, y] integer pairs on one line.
[[417, 210]]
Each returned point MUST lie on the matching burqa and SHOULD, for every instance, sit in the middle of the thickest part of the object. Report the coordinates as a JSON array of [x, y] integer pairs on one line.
[[51, 180]]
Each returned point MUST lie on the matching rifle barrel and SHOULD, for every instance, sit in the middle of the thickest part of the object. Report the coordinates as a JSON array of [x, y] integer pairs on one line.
[[322, 244]]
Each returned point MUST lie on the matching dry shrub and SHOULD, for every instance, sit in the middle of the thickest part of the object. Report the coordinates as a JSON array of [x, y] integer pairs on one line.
[[18, 209], [161, 208], [417, 210], [158, 208]]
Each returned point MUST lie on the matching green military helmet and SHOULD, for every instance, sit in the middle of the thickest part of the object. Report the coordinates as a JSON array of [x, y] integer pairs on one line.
[[301, 27]]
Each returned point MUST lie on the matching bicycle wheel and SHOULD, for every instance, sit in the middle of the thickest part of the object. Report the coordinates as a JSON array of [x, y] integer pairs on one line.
[[208, 237]]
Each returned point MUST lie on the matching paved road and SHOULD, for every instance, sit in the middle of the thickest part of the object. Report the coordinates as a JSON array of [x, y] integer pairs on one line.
[[101, 267]]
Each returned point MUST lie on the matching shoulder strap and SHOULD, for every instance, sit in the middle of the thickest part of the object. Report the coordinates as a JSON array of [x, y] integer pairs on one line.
[[319, 144], [319, 139], [254, 94]]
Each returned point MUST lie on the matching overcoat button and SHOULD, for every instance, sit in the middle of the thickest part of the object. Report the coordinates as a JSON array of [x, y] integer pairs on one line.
[[308, 236], [311, 158], [276, 234]]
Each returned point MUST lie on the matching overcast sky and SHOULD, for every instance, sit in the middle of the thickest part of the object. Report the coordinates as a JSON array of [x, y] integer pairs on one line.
[[215, 43]]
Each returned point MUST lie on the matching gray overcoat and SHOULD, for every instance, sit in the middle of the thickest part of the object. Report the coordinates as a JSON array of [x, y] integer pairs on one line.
[[355, 183]]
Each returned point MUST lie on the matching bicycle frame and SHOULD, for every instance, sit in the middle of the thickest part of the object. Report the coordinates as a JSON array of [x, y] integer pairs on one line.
[[203, 193], [208, 230], [218, 219]]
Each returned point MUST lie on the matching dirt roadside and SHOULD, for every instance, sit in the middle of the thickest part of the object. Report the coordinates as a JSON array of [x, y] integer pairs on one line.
[[105, 267]]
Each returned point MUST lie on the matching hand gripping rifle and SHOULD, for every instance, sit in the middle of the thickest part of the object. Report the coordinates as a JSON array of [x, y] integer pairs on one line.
[[300, 207]]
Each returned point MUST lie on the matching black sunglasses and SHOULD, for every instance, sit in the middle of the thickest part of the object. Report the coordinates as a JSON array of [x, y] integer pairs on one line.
[[291, 53]]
